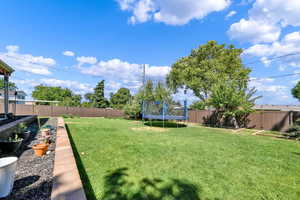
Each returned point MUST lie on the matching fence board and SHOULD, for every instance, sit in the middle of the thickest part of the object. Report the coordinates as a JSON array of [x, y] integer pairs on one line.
[[266, 120]]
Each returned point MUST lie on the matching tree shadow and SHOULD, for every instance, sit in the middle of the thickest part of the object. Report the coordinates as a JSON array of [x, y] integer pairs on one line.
[[119, 187], [296, 153], [165, 124], [89, 191], [281, 125], [25, 181]]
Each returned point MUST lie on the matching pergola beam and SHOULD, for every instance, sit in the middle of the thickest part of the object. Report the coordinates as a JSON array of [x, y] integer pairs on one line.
[[6, 71]]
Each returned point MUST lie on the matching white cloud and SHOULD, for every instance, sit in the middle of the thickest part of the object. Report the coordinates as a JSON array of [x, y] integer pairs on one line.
[[288, 45], [12, 48], [87, 60], [26, 62], [77, 87], [230, 14], [266, 19], [119, 73], [175, 12], [68, 53], [254, 31]]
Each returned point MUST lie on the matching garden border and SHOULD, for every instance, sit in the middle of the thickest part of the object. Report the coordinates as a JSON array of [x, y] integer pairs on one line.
[[67, 184]]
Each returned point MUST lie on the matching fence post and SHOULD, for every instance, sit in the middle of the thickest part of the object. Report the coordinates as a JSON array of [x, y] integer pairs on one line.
[[262, 120], [33, 109], [291, 118], [52, 110]]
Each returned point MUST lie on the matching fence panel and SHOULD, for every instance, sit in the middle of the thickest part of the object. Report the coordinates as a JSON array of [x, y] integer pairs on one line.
[[265, 120]]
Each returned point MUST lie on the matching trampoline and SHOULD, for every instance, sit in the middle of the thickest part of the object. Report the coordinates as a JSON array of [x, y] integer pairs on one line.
[[159, 110]]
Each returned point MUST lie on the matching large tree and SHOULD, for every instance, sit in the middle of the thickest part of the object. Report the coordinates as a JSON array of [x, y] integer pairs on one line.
[[207, 65], [64, 95], [120, 98], [296, 91]]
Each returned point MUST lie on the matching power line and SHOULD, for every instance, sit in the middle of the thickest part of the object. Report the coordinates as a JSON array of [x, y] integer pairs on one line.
[[277, 76], [274, 58]]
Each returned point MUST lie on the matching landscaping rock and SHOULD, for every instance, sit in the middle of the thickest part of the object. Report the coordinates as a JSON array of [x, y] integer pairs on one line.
[[33, 180]]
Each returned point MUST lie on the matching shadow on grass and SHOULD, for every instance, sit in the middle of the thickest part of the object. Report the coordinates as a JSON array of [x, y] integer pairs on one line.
[[165, 124], [89, 192], [119, 187]]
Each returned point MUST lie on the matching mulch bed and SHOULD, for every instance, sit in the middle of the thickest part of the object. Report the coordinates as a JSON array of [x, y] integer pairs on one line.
[[33, 180]]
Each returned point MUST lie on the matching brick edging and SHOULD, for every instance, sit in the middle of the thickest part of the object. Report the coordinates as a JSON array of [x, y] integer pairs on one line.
[[67, 184]]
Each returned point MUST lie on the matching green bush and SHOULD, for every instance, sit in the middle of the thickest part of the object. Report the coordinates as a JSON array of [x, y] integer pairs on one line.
[[294, 131], [133, 109]]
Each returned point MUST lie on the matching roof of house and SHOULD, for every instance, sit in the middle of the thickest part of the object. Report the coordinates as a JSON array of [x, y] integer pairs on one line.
[[5, 69], [277, 107]]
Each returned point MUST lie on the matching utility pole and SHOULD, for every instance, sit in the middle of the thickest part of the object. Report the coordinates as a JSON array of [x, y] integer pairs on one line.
[[144, 75]]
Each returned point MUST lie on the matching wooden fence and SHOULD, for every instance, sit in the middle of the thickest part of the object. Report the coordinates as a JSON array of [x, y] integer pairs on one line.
[[265, 120], [55, 111]]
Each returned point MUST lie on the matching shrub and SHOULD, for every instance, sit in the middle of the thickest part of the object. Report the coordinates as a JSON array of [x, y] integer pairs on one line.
[[133, 109], [294, 131]]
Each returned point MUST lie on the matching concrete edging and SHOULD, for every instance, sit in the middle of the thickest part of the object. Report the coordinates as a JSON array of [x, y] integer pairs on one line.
[[67, 184]]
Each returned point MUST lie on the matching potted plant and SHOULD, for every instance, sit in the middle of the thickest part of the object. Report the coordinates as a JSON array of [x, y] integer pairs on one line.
[[40, 149], [23, 132], [12, 144], [8, 167]]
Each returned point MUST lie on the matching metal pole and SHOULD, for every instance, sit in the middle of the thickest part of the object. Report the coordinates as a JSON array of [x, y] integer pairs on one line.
[[6, 95]]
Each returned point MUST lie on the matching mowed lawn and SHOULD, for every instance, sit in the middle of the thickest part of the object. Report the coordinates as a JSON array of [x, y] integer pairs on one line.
[[126, 160]]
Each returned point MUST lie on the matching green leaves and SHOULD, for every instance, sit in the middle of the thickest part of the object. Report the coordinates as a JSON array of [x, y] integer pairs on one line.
[[64, 95], [207, 65], [232, 101], [120, 98], [296, 91]]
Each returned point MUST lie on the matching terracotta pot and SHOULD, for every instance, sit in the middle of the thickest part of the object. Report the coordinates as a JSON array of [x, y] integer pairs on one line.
[[45, 132], [40, 149]]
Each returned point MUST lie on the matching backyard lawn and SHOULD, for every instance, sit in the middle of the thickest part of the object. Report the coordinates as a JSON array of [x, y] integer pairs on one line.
[[125, 160]]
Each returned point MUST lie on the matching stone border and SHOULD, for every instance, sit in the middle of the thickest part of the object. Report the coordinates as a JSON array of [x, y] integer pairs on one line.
[[67, 183]]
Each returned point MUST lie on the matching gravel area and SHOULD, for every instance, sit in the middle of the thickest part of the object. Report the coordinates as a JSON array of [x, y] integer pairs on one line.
[[33, 180]]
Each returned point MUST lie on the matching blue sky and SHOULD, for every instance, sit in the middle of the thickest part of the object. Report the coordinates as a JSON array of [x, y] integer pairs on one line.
[[77, 43]]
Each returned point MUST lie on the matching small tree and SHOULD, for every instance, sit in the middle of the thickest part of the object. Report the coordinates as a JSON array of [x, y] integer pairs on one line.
[[296, 91], [133, 109], [162, 93], [232, 103]]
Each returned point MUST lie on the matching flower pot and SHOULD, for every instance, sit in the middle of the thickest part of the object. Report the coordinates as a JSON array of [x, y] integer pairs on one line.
[[40, 149], [45, 132], [7, 146], [8, 167]]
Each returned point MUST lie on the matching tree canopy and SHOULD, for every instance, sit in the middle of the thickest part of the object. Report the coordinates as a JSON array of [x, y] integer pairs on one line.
[[120, 98], [296, 91], [97, 98], [232, 102], [64, 95], [207, 65]]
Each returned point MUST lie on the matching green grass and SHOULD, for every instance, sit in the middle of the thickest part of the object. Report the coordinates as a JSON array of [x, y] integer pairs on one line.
[[193, 163]]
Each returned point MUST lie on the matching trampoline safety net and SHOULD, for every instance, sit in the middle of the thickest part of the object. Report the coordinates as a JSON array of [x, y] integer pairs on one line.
[[164, 111]]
